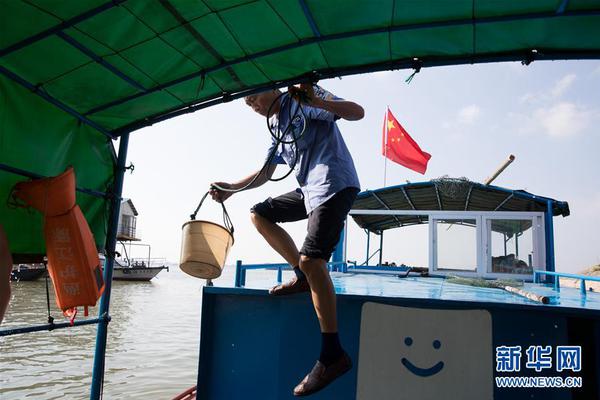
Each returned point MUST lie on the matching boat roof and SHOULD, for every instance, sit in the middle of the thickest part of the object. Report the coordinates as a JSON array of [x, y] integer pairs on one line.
[[449, 194], [94, 70]]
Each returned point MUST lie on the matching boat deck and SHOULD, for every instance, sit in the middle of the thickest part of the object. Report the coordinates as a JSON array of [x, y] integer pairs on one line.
[[437, 288], [379, 317]]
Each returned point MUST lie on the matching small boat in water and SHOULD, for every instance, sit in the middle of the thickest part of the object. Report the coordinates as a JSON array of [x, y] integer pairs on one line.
[[137, 271], [128, 268], [24, 272]]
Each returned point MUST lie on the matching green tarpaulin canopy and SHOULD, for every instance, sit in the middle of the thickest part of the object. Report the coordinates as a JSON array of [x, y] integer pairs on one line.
[[74, 74]]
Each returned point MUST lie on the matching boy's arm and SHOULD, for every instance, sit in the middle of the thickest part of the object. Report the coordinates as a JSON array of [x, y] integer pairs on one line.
[[345, 109]]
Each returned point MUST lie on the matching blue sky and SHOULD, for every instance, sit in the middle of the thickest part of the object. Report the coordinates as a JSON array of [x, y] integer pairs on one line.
[[469, 118]]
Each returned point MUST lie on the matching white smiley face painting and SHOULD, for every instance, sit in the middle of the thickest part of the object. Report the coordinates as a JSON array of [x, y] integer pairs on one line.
[[421, 354]]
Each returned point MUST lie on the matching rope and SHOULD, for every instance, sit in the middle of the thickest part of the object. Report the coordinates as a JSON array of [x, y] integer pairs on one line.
[[226, 220], [50, 318], [279, 137]]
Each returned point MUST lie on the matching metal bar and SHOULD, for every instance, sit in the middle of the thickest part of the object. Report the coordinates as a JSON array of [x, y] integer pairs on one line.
[[363, 32], [238, 273], [57, 103], [279, 277], [198, 37], [33, 175], [50, 327], [437, 194], [408, 199], [332, 73], [562, 7], [468, 198], [510, 196], [381, 249], [450, 214], [57, 28], [549, 225], [567, 275], [100, 60], [383, 203], [111, 242], [309, 18], [368, 246]]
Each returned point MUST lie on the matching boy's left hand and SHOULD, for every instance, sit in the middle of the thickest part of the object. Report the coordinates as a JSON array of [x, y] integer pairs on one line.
[[305, 94]]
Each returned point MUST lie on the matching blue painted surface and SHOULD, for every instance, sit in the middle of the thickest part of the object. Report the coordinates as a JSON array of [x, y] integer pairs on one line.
[[388, 285], [257, 346]]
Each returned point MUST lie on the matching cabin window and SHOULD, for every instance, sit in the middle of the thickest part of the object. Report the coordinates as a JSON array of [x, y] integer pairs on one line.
[[456, 244], [512, 245]]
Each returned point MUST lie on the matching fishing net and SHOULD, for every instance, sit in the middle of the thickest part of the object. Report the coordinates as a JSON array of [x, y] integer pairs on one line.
[[453, 188]]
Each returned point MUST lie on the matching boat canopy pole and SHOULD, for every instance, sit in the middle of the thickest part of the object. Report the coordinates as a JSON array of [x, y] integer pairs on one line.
[[111, 243], [50, 327], [33, 175], [550, 263], [381, 249]]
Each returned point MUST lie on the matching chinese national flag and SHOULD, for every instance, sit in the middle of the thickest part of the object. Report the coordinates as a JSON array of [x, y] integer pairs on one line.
[[399, 147]]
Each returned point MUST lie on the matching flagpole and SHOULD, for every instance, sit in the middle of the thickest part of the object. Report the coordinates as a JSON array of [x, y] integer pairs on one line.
[[387, 111]]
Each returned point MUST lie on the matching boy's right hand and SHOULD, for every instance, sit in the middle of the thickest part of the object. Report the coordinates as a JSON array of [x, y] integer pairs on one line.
[[220, 195]]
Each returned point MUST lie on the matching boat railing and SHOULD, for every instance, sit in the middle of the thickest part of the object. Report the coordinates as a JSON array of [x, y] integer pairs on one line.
[[240, 269], [556, 283], [53, 326]]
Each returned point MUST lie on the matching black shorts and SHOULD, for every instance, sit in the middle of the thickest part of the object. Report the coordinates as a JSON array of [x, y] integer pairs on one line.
[[325, 222]]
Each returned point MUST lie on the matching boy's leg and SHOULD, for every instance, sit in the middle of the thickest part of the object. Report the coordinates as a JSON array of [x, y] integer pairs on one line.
[[265, 216], [277, 238], [324, 227]]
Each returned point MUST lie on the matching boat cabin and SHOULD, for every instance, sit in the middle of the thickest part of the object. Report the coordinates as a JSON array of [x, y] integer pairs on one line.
[[127, 222], [473, 230]]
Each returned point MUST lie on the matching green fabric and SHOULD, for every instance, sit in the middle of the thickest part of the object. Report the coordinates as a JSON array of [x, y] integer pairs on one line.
[[156, 43], [148, 42], [46, 141]]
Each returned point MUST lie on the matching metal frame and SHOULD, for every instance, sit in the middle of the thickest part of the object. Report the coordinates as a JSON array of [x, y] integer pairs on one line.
[[53, 326], [29, 86], [483, 254], [556, 275], [32, 175], [111, 242], [59, 27]]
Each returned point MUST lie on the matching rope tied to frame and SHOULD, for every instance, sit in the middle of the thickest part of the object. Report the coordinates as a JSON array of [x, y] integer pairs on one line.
[[226, 219]]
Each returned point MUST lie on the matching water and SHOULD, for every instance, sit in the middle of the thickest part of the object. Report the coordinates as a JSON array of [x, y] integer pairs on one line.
[[152, 348]]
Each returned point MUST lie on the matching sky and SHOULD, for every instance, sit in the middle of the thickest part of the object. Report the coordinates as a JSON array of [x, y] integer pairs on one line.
[[469, 118]]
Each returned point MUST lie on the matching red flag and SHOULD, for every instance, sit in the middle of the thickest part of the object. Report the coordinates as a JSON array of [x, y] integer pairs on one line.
[[399, 147]]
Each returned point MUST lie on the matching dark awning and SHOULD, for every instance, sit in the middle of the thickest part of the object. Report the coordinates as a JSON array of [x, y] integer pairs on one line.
[[448, 195]]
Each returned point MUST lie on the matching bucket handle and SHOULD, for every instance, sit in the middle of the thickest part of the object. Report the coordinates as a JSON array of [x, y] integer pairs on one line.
[[226, 220]]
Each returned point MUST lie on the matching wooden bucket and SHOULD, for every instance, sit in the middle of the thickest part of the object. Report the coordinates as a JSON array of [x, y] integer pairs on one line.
[[204, 248]]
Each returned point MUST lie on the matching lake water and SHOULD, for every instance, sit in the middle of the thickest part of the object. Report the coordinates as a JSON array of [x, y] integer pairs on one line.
[[152, 350]]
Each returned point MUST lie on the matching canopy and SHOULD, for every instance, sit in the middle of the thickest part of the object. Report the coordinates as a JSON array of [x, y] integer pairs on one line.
[[75, 74], [449, 195]]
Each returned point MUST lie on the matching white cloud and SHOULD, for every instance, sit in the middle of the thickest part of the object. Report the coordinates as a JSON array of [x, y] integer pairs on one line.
[[562, 85], [563, 119], [469, 114], [556, 92]]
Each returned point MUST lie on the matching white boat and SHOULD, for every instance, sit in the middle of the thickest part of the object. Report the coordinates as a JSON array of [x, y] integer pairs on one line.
[[137, 271]]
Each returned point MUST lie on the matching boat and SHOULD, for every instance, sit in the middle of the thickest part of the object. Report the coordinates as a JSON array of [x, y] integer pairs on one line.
[[456, 329], [137, 271], [127, 268], [24, 272], [407, 335]]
